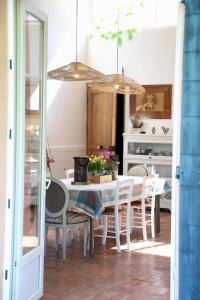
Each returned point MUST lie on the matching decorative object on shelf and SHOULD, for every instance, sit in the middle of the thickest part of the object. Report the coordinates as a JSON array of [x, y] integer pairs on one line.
[[165, 130], [81, 170], [153, 130], [155, 103], [76, 71], [117, 83], [136, 121]]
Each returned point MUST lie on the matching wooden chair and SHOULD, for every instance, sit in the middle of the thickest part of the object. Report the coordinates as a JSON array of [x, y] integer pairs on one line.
[[57, 217], [111, 226]]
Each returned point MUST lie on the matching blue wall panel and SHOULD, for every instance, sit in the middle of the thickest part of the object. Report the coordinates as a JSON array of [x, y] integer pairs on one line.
[[191, 66], [191, 90], [192, 29], [192, 6], [190, 201], [189, 236], [191, 133], [189, 167]]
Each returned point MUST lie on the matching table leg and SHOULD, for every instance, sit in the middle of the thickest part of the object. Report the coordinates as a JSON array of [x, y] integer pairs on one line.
[[157, 214], [91, 238]]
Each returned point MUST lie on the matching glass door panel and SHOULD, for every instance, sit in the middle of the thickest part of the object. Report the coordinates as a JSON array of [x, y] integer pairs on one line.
[[32, 134], [156, 149]]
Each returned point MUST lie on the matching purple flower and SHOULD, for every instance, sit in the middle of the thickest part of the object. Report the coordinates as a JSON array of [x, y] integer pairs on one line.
[[105, 154]]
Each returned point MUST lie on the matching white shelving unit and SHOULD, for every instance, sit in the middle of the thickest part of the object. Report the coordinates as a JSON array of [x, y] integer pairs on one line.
[[150, 150]]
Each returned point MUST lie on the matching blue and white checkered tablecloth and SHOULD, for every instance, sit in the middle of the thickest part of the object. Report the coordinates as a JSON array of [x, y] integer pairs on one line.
[[93, 198]]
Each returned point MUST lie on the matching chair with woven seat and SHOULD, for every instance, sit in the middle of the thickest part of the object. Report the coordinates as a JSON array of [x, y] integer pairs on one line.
[[111, 225], [56, 214]]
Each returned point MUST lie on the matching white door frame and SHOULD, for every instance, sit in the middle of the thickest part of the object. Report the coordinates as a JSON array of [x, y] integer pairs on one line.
[[175, 201], [18, 259], [9, 199], [174, 284]]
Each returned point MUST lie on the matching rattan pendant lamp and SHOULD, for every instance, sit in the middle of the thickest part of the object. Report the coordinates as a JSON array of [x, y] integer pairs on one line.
[[117, 83], [76, 71]]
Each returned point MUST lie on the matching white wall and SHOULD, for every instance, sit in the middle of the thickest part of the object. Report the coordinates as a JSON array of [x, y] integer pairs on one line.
[[66, 102], [149, 58]]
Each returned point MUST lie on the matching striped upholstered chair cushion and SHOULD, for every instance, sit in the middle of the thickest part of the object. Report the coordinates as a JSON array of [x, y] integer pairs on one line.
[[71, 218]]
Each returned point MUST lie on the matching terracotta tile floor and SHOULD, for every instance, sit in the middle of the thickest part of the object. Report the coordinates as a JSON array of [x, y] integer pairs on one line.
[[142, 273]]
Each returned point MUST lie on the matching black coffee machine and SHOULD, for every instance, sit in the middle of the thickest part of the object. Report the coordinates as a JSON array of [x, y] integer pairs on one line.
[[81, 169]]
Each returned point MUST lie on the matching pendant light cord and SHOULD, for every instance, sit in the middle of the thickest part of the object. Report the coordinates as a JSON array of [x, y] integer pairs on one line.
[[76, 29], [117, 39]]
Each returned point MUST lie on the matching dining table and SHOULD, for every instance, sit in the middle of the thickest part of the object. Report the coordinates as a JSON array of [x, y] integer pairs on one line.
[[92, 198]]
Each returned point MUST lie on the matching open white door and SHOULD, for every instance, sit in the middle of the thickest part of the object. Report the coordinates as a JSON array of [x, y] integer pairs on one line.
[[174, 286], [30, 153]]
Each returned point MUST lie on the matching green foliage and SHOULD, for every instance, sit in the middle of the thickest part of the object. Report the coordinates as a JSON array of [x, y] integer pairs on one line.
[[100, 26], [96, 164]]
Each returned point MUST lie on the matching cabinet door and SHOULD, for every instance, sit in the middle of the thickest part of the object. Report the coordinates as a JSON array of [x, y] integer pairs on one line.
[[101, 121]]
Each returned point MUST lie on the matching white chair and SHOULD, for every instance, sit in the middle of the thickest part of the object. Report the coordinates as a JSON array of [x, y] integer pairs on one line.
[[57, 217], [69, 173], [143, 210], [111, 218], [138, 170]]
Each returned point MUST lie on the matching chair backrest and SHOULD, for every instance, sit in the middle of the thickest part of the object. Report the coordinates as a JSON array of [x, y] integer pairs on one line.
[[69, 173], [149, 186], [124, 191], [57, 198], [138, 170]]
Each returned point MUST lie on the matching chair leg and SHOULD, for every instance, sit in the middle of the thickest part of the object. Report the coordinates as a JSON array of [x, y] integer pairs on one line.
[[144, 228], [128, 214], [131, 219], [57, 239], [64, 242], [71, 232], [105, 228], [117, 232], [45, 240], [152, 218], [85, 229]]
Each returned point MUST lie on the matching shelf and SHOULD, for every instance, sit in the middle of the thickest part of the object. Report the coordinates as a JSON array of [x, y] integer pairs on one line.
[[149, 158], [149, 144]]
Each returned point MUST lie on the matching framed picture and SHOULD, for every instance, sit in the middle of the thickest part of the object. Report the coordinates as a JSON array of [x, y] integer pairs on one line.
[[155, 103]]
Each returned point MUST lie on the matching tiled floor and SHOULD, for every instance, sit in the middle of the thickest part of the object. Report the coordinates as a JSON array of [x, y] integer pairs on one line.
[[142, 273]]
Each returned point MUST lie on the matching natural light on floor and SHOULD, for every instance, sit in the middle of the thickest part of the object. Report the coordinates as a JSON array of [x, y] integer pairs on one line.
[[148, 247]]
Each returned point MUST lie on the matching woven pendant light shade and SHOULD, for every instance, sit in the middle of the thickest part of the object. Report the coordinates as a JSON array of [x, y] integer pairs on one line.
[[76, 71], [117, 83]]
